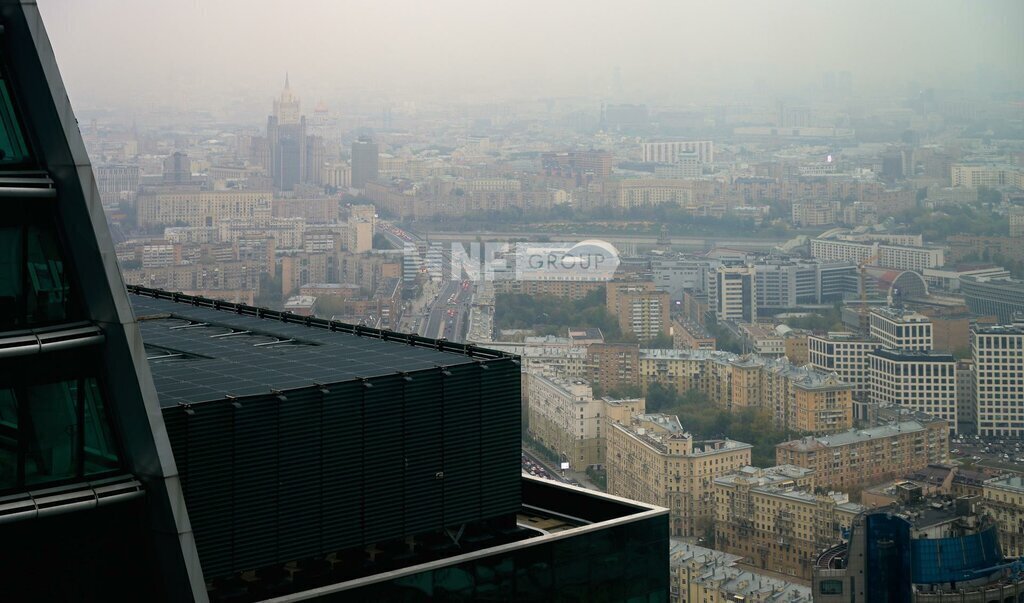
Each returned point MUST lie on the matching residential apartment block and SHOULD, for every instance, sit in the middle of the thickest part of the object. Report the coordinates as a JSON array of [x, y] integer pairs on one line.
[[773, 518], [566, 418], [653, 459], [200, 208], [614, 365], [795, 397], [857, 458]]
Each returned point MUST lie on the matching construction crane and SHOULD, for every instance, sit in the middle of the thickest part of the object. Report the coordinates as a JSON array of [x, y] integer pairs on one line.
[[862, 267]]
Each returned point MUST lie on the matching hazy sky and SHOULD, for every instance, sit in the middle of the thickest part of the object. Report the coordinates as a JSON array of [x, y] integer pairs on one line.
[[198, 51]]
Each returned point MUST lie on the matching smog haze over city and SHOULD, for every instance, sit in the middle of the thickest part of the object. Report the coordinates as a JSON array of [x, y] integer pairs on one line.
[[227, 56], [468, 300]]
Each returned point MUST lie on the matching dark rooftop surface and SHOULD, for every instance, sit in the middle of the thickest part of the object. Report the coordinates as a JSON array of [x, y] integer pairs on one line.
[[199, 354]]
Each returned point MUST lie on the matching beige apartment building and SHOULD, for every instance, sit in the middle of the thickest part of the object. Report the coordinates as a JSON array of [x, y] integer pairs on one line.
[[859, 458], [1004, 500], [702, 575], [682, 370], [798, 397], [975, 175], [565, 417], [301, 268], [646, 192], [549, 356], [557, 288], [643, 313], [795, 343], [652, 459], [200, 208], [231, 276], [774, 519]]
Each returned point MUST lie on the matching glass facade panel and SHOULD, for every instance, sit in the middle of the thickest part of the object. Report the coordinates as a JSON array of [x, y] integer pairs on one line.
[[34, 288], [51, 432], [54, 432], [10, 274], [8, 440], [47, 287], [100, 448], [12, 144]]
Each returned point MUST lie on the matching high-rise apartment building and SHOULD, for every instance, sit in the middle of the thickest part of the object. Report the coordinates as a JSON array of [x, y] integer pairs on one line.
[[643, 313], [895, 328], [651, 458], [360, 228], [202, 208], [736, 294], [998, 354], [1016, 218], [920, 381], [365, 161], [117, 183]]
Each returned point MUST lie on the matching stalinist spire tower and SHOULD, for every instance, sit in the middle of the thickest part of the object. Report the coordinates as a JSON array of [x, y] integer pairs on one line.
[[295, 157], [286, 109]]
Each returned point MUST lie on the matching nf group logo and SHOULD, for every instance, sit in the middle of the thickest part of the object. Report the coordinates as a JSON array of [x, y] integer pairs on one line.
[[590, 260]]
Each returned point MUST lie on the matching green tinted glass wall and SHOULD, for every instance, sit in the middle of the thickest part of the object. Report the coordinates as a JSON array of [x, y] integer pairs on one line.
[[12, 143], [53, 432]]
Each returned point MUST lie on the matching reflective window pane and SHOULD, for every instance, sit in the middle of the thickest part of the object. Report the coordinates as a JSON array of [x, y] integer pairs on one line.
[[51, 432], [12, 144], [48, 289], [10, 273], [54, 432], [8, 439], [100, 449], [34, 288]]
